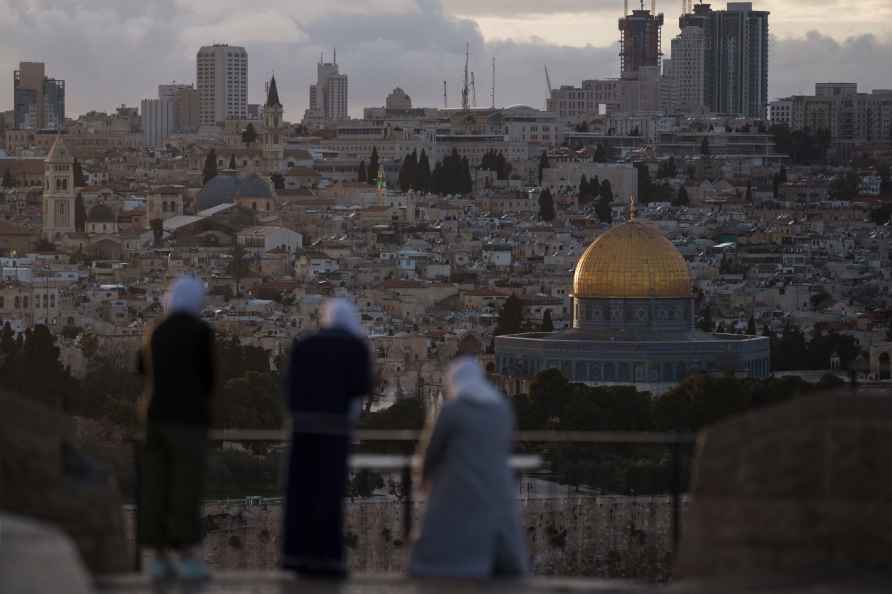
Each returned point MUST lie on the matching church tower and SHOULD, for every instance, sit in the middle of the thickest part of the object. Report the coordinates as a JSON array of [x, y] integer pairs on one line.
[[272, 125], [58, 192]]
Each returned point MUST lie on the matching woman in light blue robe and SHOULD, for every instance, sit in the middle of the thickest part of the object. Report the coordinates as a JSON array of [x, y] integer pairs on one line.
[[471, 524]]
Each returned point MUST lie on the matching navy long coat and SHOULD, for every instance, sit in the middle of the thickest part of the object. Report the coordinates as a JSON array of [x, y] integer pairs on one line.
[[328, 373]]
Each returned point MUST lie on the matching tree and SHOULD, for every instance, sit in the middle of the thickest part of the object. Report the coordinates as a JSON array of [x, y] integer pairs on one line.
[[667, 168], [361, 173], [510, 317], [749, 192], [80, 213], [8, 181], [423, 172], [845, 186], [546, 206], [408, 172], [681, 199], [705, 323], [585, 191], [210, 167], [603, 207], [547, 324], [373, 166], [600, 154], [78, 173], [751, 326], [157, 226], [232, 163], [646, 189], [704, 147], [543, 165], [278, 181], [249, 135]]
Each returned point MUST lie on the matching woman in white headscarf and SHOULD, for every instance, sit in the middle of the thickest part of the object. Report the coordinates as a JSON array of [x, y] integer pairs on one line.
[[328, 374], [178, 364], [471, 524]]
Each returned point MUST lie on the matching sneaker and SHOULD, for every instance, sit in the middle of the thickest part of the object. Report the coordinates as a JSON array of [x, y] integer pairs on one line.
[[162, 570], [193, 570]]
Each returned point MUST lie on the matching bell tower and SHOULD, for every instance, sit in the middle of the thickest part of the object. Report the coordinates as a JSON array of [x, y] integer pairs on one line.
[[272, 124], [58, 192]]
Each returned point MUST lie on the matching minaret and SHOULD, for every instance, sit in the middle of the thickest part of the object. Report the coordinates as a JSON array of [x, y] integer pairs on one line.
[[58, 192]]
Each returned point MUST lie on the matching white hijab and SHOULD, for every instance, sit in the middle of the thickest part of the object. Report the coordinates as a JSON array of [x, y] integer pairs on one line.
[[342, 314], [186, 295], [465, 379]]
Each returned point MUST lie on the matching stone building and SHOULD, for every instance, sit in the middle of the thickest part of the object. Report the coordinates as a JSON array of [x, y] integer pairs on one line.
[[633, 322]]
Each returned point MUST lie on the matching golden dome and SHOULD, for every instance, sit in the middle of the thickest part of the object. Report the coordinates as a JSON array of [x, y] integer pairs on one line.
[[632, 261]]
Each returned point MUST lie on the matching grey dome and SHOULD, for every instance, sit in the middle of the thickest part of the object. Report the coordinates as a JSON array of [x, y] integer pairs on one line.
[[224, 189]]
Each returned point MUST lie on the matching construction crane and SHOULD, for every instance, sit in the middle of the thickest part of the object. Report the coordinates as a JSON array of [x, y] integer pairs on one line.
[[547, 80]]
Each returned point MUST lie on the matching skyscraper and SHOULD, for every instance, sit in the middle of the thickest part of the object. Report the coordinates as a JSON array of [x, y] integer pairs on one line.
[[684, 74], [222, 77], [328, 97], [39, 102], [185, 99], [158, 120], [640, 42], [735, 58]]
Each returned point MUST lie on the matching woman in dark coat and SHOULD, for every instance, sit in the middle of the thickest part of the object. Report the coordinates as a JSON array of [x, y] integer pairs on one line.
[[328, 374], [178, 363], [472, 520]]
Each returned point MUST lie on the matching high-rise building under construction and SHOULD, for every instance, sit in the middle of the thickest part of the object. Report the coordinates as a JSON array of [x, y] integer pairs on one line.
[[640, 43]]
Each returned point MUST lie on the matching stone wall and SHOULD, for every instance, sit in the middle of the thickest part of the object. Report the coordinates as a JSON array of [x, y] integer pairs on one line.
[[605, 536]]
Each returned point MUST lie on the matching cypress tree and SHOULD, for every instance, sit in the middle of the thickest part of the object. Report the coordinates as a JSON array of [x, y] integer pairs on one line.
[[210, 167], [373, 166]]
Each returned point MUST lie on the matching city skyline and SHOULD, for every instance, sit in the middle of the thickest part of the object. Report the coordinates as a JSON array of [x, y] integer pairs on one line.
[[425, 43]]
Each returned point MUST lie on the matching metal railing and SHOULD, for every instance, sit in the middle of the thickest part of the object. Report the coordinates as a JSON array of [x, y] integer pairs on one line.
[[405, 463]]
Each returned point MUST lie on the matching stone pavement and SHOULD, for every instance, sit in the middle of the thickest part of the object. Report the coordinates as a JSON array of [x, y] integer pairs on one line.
[[272, 582], [269, 582]]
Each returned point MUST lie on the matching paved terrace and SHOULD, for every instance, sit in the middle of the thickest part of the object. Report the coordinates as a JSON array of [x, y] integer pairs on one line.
[[279, 583]]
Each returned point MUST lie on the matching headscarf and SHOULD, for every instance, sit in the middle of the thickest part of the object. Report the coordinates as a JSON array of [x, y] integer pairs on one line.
[[343, 315], [465, 379], [186, 295]]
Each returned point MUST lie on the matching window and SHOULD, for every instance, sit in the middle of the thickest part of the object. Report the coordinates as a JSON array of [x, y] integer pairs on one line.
[[25, 302], [17, 302]]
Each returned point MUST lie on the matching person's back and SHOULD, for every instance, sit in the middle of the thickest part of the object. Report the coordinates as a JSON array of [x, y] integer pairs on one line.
[[328, 374], [182, 370], [179, 362], [471, 524], [328, 370]]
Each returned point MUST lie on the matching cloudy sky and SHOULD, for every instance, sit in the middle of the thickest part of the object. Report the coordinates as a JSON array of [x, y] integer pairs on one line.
[[117, 51]]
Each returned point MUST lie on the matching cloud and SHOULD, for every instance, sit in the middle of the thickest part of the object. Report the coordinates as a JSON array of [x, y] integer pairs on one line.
[[117, 51], [797, 63]]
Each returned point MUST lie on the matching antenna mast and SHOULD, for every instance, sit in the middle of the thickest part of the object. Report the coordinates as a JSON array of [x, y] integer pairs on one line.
[[492, 92], [445, 103], [464, 90], [473, 91]]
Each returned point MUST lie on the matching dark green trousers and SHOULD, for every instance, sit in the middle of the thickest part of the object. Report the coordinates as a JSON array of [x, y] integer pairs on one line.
[[174, 470]]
